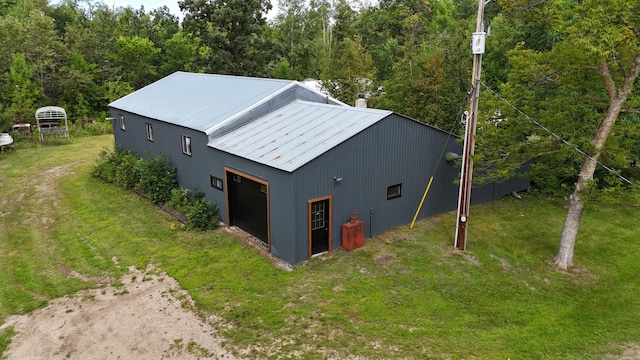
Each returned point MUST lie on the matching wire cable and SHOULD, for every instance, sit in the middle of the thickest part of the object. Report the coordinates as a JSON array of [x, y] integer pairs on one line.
[[575, 148]]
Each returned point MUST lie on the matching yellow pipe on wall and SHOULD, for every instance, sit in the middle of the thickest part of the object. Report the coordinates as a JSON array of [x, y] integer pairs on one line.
[[421, 202]]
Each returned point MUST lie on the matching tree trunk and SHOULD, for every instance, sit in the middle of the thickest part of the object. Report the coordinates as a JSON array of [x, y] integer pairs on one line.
[[564, 257]]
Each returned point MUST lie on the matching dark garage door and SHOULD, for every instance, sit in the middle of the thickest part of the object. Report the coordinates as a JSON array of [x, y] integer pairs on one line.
[[248, 205]]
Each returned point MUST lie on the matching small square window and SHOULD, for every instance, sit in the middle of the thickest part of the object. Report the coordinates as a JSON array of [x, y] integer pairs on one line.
[[216, 182], [394, 191], [149, 131], [237, 178], [186, 145], [121, 122]]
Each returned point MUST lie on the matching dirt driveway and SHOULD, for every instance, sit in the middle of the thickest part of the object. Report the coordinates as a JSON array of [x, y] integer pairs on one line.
[[148, 317]]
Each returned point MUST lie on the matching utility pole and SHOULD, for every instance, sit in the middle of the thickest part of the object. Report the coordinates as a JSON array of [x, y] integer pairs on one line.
[[464, 201]]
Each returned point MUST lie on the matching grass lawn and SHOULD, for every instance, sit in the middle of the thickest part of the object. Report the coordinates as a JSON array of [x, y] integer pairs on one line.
[[406, 294]]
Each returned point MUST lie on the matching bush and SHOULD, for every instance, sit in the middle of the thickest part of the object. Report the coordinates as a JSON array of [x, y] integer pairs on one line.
[[202, 215], [118, 166], [108, 163], [127, 174], [157, 178], [179, 200]]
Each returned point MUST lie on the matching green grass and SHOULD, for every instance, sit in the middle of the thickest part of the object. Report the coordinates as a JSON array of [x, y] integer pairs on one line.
[[406, 294]]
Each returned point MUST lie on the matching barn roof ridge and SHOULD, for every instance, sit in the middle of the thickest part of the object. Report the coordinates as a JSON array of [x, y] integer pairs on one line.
[[203, 101]]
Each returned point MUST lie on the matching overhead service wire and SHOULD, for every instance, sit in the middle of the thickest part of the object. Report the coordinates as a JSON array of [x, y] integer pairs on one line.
[[449, 132], [444, 148], [575, 148]]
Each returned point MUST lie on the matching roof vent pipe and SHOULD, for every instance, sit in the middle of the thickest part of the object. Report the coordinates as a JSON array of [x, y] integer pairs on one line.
[[361, 102]]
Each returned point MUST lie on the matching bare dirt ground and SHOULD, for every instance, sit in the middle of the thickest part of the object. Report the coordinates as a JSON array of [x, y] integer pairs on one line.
[[148, 317]]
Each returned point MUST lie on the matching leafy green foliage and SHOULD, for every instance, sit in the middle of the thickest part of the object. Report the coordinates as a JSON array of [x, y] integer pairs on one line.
[[179, 53], [127, 175], [348, 71], [563, 89], [157, 178], [108, 162], [201, 214], [136, 55], [20, 91], [301, 31], [423, 92], [179, 200], [409, 56], [79, 86], [233, 30]]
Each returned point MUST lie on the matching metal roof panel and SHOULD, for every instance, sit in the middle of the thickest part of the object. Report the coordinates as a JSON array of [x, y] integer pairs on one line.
[[292, 136], [198, 101]]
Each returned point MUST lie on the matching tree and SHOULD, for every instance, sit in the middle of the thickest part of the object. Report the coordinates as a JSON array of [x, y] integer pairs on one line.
[[233, 30], [11, 38], [348, 71], [95, 39], [421, 89], [379, 27], [299, 29], [613, 44], [135, 56], [78, 87], [577, 83], [44, 50], [179, 54], [424, 57], [20, 91], [345, 18]]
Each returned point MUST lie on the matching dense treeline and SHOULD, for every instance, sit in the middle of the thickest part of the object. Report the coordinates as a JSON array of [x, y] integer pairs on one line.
[[409, 56]]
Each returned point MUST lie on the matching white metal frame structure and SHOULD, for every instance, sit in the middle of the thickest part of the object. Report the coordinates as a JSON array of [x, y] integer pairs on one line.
[[51, 115]]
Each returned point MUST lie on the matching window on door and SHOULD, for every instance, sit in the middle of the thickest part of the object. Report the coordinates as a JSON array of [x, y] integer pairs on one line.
[[317, 215]]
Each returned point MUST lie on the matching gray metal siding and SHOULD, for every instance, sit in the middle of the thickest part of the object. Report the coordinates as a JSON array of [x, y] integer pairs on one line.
[[493, 191], [394, 151], [283, 242], [193, 171]]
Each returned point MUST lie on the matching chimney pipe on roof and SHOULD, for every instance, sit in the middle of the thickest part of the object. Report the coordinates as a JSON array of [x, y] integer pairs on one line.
[[361, 102]]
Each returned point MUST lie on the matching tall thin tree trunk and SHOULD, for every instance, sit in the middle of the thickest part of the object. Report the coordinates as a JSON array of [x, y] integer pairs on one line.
[[564, 257]]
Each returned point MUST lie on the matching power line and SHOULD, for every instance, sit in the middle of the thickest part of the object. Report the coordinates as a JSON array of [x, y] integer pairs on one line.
[[575, 148]]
